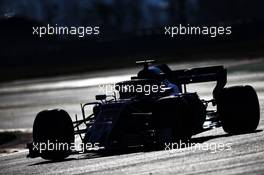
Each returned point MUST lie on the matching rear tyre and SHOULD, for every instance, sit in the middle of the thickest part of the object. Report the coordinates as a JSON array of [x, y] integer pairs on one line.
[[53, 128], [238, 109]]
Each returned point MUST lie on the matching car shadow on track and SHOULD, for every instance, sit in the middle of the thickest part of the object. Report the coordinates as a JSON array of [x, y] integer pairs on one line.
[[49, 161], [196, 140]]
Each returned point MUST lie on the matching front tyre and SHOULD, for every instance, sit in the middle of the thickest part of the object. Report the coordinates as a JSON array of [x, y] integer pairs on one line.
[[238, 109], [54, 130]]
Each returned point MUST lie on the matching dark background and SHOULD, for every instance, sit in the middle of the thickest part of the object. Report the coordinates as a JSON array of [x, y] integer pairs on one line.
[[129, 30]]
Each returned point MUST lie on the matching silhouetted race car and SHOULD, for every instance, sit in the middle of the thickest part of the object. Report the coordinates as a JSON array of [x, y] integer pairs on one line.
[[150, 110]]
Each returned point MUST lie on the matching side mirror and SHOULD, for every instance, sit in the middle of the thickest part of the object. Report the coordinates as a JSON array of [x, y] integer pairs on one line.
[[100, 97]]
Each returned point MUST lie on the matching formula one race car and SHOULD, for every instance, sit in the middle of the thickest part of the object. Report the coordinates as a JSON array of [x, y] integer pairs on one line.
[[151, 109]]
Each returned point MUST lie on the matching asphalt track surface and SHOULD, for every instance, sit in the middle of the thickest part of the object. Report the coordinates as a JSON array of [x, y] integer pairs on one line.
[[242, 154]]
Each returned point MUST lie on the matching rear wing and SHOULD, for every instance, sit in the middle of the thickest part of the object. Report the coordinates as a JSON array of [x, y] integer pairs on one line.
[[199, 75]]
